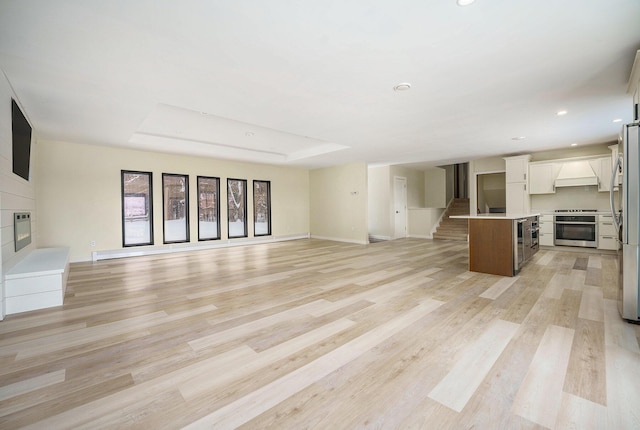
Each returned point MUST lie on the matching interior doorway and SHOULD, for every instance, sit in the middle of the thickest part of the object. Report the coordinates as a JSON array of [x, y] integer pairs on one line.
[[461, 181], [491, 193], [399, 207]]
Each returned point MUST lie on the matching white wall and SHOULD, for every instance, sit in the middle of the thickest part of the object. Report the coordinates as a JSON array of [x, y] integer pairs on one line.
[[339, 203], [16, 194], [79, 194], [379, 188]]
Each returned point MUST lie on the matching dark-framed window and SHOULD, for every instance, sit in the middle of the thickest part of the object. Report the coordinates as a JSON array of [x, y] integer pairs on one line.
[[175, 204], [261, 208], [236, 208], [208, 208], [137, 208]]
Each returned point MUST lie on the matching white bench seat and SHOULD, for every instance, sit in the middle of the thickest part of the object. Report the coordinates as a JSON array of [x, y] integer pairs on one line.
[[37, 281]]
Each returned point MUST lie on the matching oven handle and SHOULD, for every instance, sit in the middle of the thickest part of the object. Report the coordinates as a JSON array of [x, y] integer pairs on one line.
[[576, 222]]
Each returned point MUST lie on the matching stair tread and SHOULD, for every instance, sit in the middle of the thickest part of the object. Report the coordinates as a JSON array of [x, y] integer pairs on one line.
[[454, 228]]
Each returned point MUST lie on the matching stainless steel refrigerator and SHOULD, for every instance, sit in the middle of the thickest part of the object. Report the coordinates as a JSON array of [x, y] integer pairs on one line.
[[626, 215]]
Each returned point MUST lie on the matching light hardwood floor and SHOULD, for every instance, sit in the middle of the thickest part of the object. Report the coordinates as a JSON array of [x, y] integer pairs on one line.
[[325, 335]]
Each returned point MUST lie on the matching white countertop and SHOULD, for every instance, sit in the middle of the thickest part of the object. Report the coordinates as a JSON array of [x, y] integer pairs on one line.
[[495, 216]]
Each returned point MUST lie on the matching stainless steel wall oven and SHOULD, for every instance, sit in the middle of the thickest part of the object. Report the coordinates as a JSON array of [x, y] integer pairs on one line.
[[576, 229]]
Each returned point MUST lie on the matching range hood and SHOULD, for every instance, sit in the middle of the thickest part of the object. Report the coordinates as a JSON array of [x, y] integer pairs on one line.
[[576, 174]]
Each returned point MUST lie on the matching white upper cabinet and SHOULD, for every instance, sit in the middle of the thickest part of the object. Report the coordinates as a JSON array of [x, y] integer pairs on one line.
[[603, 169], [516, 168], [542, 178]]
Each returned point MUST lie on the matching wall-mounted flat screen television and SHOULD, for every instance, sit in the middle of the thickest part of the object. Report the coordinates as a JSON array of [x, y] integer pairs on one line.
[[21, 141], [21, 229]]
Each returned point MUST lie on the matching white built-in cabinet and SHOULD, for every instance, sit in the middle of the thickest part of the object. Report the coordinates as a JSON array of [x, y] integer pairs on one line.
[[545, 234], [542, 174], [516, 178], [516, 168]]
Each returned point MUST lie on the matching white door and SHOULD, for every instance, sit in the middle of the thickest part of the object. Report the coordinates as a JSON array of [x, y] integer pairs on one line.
[[400, 207]]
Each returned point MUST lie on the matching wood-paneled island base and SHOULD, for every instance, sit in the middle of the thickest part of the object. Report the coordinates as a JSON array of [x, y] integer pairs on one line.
[[491, 246], [492, 240]]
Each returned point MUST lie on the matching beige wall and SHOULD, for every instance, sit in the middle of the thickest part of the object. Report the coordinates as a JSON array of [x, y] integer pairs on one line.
[[78, 194], [570, 152], [425, 189], [435, 181], [450, 175], [586, 197], [16, 194], [415, 184], [491, 192], [423, 221], [487, 165], [339, 203], [478, 167]]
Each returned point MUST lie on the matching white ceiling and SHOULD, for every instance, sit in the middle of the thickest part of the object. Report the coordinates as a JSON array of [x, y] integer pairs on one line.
[[310, 84]]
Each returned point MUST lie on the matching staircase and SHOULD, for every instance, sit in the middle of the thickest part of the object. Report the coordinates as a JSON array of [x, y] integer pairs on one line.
[[454, 229]]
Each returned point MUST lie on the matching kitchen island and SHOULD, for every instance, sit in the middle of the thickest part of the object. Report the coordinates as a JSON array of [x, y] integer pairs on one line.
[[500, 244]]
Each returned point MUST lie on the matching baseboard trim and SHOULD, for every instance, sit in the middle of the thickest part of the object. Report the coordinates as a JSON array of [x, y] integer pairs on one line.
[[378, 237], [183, 247], [338, 239]]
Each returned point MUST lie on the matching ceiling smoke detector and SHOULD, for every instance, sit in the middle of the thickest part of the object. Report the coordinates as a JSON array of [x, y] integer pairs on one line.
[[402, 87]]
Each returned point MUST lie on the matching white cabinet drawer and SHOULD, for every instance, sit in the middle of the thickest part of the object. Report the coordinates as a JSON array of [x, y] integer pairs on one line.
[[608, 242], [606, 228], [545, 239], [546, 227]]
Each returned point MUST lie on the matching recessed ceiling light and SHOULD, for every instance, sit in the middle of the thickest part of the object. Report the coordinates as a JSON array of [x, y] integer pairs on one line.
[[518, 138], [574, 144], [402, 87], [464, 2], [617, 120], [561, 112]]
